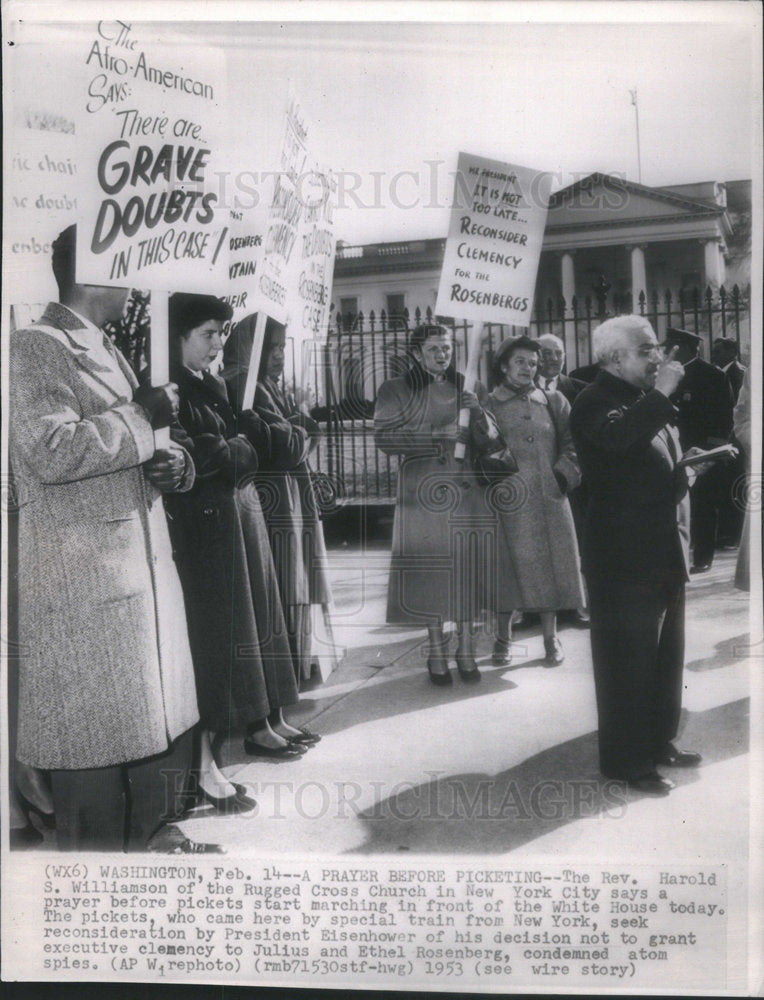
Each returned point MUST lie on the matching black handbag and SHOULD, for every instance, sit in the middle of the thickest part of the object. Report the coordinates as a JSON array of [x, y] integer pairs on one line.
[[493, 466]]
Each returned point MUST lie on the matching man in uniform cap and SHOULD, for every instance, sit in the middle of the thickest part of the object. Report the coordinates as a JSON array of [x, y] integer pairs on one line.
[[704, 420]]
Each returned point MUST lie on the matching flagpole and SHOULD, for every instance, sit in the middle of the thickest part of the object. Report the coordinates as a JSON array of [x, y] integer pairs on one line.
[[636, 114]]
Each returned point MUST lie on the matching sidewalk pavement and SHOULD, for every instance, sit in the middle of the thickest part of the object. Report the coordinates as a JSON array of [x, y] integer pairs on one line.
[[506, 765]]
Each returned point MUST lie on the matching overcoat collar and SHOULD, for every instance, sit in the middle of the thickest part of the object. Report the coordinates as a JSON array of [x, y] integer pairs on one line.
[[68, 329], [504, 392], [208, 384], [418, 378], [620, 387]]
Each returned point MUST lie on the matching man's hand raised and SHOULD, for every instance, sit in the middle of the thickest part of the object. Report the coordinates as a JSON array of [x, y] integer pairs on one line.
[[670, 373]]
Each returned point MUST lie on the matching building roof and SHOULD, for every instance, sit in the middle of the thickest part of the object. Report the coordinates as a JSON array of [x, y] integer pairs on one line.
[[593, 205]]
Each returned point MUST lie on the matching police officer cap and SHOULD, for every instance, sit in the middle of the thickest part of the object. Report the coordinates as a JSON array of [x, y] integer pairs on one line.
[[685, 337]]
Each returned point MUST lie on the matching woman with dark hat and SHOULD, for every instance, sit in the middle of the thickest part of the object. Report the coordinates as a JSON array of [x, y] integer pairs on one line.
[[243, 677], [438, 569], [538, 562], [284, 482]]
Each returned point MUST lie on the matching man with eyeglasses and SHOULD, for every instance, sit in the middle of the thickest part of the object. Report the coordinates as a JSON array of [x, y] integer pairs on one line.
[[635, 551]]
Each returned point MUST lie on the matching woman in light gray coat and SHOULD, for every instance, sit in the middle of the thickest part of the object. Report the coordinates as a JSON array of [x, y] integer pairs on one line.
[[439, 561], [538, 561]]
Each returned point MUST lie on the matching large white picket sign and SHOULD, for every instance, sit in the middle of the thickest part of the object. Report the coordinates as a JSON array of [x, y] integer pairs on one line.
[[494, 242], [150, 145]]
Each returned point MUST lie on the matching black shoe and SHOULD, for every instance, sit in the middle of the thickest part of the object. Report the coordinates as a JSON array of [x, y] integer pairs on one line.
[[673, 757], [238, 804], [502, 653], [23, 838], [441, 677], [700, 568], [467, 668], [290, 751], [554, 652], [651, 784], [48, 819], [170, 840], [304, 738]]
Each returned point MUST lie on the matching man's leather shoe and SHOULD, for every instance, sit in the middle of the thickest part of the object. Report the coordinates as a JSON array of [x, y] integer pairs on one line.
[[673, 757], [554, 652], [700, 568], [652, 784], [169, 839]]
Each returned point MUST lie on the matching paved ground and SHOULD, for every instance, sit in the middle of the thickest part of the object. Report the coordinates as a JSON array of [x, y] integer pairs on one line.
[[505, 766]]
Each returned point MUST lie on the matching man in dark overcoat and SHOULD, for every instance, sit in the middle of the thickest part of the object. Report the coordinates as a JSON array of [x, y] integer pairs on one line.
[[704, 420], [635, 551]]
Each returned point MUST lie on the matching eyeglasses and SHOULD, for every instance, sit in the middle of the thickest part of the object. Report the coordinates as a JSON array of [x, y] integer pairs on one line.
[[646, 351]]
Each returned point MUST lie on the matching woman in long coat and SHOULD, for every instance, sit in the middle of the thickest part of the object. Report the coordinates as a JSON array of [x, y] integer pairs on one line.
[[284, 483], [440, 557], [243, 678], [538, 561]]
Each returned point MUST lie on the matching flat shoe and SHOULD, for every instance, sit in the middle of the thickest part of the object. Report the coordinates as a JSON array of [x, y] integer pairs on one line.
[[502, 653], [290, 751], [652, 784], [467, 668], [554, 652], [237, 804], [305, 737], [439, 677], [673, 757]]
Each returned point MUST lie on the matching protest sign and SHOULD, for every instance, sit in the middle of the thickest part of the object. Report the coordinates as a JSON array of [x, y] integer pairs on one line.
[[282, 247], [494, 242], [149, 148]]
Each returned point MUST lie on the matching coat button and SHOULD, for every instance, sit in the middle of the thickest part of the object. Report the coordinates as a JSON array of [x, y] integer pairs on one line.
[[526, 416], [529, 438]]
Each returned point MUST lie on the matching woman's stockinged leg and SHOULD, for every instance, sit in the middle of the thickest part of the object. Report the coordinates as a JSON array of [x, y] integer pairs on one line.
[[437, 658]]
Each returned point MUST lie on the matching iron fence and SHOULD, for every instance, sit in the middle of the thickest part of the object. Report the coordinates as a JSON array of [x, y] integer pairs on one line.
[[361, 352]]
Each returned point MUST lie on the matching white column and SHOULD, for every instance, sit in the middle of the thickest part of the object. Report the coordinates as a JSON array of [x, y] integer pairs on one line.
[[638, 275], [714, 264], [568, 276]]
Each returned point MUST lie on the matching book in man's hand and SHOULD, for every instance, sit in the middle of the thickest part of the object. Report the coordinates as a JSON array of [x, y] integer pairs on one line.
[[724, 452]]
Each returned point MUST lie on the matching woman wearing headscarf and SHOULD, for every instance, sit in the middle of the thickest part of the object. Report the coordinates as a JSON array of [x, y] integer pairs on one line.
[[244, 677], [440, 562], [538, 562], [284, 482]]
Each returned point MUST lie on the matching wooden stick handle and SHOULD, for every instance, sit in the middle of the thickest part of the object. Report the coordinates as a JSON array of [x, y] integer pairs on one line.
[[470, 378], [160, 353]]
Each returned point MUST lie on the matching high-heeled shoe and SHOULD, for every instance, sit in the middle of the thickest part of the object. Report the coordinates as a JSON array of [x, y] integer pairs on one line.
[[437, 668], [554, 653], [502, 653], [238, 804], [23, 838], [468, 670], [48, 819]]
